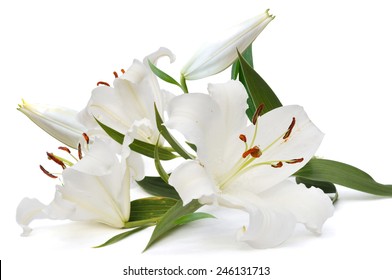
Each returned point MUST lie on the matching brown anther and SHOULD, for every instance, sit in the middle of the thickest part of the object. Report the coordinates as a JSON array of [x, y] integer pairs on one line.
[[123, 71], [290, 129], [257, 114], [242, 138], [51, 156], [278, 165], [47, 173], [254, 152], [103, 83], [65, 149], [86, 138], [296, 160], [80, 151], [115, 74]]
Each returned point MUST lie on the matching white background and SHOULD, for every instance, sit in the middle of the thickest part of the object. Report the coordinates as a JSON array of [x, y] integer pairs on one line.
[[333, 57]]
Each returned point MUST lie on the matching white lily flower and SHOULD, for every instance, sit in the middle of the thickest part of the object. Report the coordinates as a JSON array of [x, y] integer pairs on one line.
[[129, 104], [61, 123], [221, 51], [97, 188], [247, 166]]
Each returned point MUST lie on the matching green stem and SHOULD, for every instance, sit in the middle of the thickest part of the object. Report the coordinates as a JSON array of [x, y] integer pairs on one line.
[[183, 84]]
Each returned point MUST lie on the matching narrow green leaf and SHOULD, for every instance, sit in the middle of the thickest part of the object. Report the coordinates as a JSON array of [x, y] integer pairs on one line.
[[326, 187], [258, 90], [248, 56], [188, 218], [148, 150], [168, 221], [161, 171], [138, 146], [120, 237], [342, 174], [114, 134], [150, 208], [156, 186], [162, 75], [192, 146], [169, 138]]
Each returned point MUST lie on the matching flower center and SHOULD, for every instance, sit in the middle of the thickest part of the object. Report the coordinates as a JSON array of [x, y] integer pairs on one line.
[[63, 162], [253, 152]]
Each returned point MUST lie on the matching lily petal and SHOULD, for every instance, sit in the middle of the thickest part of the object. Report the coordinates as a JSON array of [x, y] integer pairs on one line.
[[60, 122], [221, 51], [191, 181]]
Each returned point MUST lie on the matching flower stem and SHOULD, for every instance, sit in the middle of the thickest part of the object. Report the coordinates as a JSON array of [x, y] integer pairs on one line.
[[183, 84]]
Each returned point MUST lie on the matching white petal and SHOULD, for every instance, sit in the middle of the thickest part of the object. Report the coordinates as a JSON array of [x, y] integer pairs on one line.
[[303, 142], [268, 226], [311, 207], [99, 160], [27, 211], [213, 123], [106, 106], [61, 123], [191, 181], [232, 99], [221, 51]]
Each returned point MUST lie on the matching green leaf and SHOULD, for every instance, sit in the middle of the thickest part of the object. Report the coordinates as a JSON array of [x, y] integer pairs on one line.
[[326, 187], [138, 146], [156, 186], [114, 134], [258, 90], [193, 217], [235, 68], [168, 221], [161, 171], [162, 75], [150, 208], [120, 237], [169, 138], [148, 150], [342, 174]]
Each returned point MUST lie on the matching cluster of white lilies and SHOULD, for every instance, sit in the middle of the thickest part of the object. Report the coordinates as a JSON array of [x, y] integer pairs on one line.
[[237, 163]]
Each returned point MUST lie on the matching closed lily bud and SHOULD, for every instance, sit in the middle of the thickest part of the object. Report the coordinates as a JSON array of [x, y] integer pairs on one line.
[[59, 122], [220, 52]]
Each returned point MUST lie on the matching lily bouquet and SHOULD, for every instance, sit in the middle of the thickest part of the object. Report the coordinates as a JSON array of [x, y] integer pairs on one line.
[[240, 148]]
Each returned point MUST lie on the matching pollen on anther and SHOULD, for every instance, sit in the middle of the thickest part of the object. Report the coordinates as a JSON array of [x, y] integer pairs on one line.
[[115, 74], [278, 165], [257, 114], [47, 173], [65, 149], [123, 71], [103, 83], [290, 129], [296, 160], [80, 151], [86, 138], [51, 156], [242, 138], [254, 152]]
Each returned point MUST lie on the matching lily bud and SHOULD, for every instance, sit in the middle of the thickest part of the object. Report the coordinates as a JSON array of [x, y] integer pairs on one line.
[[59, 122], [219, 53]]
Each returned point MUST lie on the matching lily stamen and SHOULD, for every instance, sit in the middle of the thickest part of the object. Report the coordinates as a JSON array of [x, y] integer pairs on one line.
[[103, 83], [51, 156], [123, 71], [254, 152], [47, 173], [277, 165], [86, 138], [290, 129], [115, 74], [258, 113], [80, 151]]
